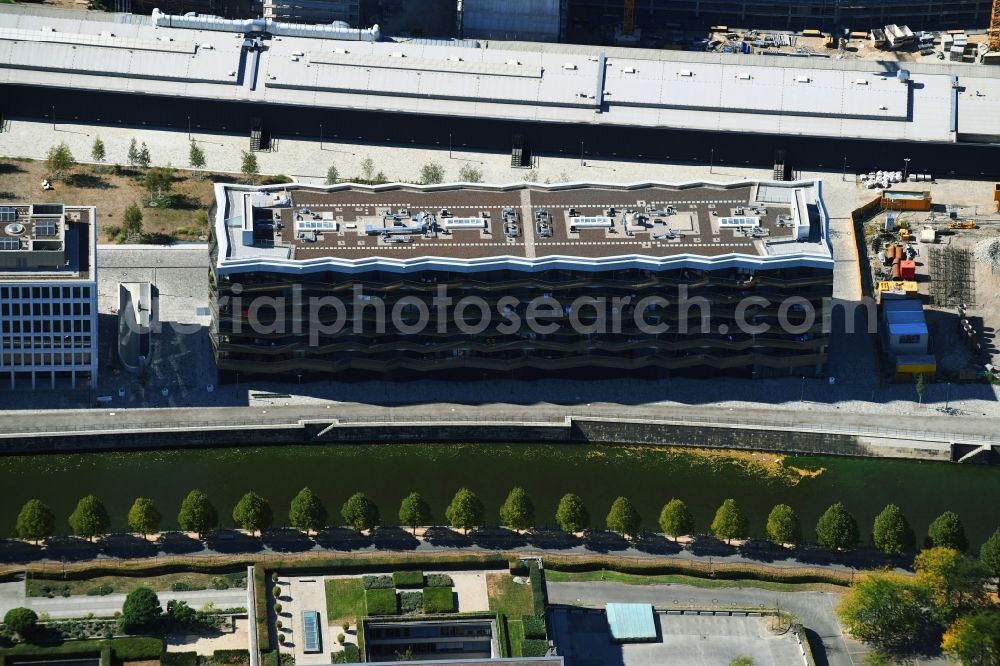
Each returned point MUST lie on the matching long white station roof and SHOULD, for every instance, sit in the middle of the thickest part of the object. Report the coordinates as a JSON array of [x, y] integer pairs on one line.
[[508, 80]]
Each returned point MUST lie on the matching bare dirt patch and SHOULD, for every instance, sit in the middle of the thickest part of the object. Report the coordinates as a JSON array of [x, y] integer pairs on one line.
[[112, 192]]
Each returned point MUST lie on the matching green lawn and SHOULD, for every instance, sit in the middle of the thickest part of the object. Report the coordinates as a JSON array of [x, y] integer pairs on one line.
[[345, 600], [513, 600], [42, 587], [674, 579], [508, 597]]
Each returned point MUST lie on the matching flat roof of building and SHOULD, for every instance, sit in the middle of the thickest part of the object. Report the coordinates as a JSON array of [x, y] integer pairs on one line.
[[506, 80], [47, 242], [526, 224]]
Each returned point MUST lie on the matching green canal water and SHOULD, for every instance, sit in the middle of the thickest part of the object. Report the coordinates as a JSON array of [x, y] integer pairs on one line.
[[388, 472]]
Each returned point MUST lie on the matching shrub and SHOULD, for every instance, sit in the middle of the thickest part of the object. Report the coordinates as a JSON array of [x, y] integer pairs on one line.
[[377, 582], [281, 639], [276, 591], [278, 623], [100, 590], [438, 600], [341, 638], [277, 607], [137, 649], [338, 657], [22, 621], [381, 602], [534, 626], [345, 626], [352, 655], [411, 601], [408, 578], [220, 583], [140, 611], [185, 587], [270, 658], [534, 647], [438, 580], [274, 577], [179, 659]]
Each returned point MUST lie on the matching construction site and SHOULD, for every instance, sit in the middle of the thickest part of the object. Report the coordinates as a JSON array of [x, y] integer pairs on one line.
[[933, 269]]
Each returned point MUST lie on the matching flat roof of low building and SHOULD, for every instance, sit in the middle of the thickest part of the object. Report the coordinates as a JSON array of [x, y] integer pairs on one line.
[[523, 224], [631, 622], [941, 102]]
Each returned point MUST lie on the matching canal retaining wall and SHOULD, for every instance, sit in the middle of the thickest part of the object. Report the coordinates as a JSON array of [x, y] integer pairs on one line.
[[790, 439]]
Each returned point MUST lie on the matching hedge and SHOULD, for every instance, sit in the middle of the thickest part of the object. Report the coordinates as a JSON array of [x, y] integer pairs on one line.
[[537, 589], [534, 626], [269, 658], [234, 657], [438, 600], [534, 647], [377, 582], [179, 659], [411, 601], [408, 578], [124, 649], [438, 580], [381, 602]]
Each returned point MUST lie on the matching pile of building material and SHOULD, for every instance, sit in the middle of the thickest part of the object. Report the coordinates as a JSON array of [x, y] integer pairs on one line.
[[988, 252]]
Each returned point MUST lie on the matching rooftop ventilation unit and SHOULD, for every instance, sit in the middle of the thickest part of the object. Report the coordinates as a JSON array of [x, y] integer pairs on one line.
[[743, 76], [685, 72], [513, 62], [861, 82], [740, 222], [628, 70], [569, 65], [596, 222], [803, 79]]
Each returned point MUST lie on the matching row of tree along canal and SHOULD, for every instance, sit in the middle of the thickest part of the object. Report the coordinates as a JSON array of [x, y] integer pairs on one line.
[[597, 474]]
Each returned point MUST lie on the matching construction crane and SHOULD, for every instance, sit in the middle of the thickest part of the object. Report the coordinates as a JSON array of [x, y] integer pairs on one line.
[[994, 32], [628, 20]]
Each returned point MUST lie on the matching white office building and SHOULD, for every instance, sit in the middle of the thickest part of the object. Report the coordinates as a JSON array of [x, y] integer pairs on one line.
[[48, 295]]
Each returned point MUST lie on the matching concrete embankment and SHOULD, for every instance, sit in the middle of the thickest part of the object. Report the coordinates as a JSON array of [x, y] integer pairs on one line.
[[155, 429]]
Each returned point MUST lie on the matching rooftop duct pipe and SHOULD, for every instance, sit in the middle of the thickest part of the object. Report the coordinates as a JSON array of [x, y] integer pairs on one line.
[[337, 30]]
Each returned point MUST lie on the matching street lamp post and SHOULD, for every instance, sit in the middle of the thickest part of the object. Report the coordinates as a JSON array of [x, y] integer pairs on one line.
[[189, 128], [53, 117], [711, 160], [449, 145], [321, 136], [843, 177], [581, 153], [906, 167]]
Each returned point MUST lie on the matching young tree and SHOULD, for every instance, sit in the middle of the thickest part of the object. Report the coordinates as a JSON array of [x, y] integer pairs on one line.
[[132, 222], [196, 156], [956, 581], [891, 532], [919, 387], [730, 522], [144, 517], [144, 159], [837, 529], [158, 182], [465, 511], [35, 521], [141, 611], [21, 621], [249, 168], [989, 554], [571, 514], [197, 514], [253, 513], [947, 531], [380, 178], [133, 153], [783, 525], [332, 175], [885, 609], [368, 169], [307, 512], [414, 511], [470, 174], [431, 174], [360, 512], [59, 159], [97, 151], [974, 640], [89, 519], [623, 518], [517, 511], [676, 519]]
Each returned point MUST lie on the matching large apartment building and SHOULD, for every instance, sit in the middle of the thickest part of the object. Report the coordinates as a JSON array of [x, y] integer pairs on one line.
[[48, 294], [523, 281]]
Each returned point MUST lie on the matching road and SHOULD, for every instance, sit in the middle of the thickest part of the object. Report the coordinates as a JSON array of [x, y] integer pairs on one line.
[[814, 609], [12, 595]]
